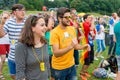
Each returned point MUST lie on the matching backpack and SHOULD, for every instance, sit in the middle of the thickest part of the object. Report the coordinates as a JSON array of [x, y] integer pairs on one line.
[[109, 63], [113, 63], [100, 73]]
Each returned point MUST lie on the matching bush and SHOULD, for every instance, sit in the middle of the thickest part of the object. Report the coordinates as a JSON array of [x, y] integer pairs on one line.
[[1, 11]]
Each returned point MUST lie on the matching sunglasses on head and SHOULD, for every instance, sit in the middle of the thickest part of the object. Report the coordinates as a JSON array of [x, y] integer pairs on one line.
[[33, 18], [67, 17]]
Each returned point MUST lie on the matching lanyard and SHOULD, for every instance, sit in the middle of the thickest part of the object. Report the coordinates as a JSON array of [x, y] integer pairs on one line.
[[35, 54], [42, 64]]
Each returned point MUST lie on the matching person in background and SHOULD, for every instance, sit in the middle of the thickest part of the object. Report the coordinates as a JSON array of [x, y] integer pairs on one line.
[[49, 26], [31, 53], [4, 43], [91, 38], [13, 28], [86, 59], [100, 39], [74, 22], [117, 51], [63, 40], [50, 22], [112, 22]]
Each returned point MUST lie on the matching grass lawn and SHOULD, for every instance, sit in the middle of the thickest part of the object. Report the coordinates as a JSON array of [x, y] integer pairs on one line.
[[91, 68], [6, 72]]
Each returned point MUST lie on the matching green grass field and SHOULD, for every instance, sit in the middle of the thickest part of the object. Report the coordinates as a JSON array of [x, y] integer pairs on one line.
[[93, 66], [90, 70]]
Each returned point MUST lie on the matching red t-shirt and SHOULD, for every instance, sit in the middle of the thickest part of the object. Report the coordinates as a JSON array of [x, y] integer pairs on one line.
[[86, 26]]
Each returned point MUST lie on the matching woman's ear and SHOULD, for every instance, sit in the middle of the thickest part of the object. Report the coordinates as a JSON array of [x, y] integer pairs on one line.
[[33, 29]]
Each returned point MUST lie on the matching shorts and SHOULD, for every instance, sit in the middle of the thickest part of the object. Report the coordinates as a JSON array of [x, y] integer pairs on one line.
[[65, 74], [90, 57], [4, 48], [76, 57], [12, 67]]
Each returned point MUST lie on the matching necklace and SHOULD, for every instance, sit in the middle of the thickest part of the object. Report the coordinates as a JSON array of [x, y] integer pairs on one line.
[[41, 63]]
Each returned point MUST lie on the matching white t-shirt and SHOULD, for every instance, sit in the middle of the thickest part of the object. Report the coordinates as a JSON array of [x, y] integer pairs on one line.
[[101, 35], [4, 40], [111, 30]]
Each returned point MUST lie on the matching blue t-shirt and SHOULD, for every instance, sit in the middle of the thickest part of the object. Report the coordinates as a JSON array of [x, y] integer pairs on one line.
[[117, 35], [111, 21], [98, 27]]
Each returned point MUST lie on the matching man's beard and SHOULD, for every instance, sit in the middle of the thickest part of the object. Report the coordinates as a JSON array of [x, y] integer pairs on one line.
[[65, 23]]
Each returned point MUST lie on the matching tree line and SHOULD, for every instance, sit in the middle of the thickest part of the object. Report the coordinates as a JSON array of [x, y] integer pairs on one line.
[[99, 6]]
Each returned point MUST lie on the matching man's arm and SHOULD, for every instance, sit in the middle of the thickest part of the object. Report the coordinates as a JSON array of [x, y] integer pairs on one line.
[[60, 52], [80, 47], [92, 27], [114, 38]]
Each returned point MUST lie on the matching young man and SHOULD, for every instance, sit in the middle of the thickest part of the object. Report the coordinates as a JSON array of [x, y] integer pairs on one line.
[[112, 22], [87, 25], [75, 23], [117, 51], [63, 41], [13, 28]]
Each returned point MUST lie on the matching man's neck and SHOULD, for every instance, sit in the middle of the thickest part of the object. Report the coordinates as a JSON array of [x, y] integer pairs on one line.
[[62, 26], [19, 20]]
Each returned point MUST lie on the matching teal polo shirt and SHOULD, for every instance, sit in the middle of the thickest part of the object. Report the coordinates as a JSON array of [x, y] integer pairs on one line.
[[47, 36], [117, 35]]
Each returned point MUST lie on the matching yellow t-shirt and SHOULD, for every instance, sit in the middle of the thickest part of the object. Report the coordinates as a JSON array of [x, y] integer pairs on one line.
[[63, 37]]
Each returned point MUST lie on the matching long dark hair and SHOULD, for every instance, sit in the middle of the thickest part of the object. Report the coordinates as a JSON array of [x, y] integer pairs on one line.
[[27, 36], [47, 17]]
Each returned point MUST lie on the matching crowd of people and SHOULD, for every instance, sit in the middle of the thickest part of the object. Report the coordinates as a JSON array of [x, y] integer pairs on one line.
[[46, 46]]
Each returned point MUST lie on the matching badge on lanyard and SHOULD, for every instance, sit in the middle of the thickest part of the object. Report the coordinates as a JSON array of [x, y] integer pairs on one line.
[[66, 34], [42, 66], [13, 42]]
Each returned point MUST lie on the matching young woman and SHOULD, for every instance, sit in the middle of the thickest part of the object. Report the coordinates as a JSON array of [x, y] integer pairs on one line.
[[31, 53], [4, 43], [100, 39], [50, 23]]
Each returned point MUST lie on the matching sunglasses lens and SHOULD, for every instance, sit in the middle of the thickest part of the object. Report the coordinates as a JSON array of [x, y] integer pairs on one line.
[[68, 17]]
